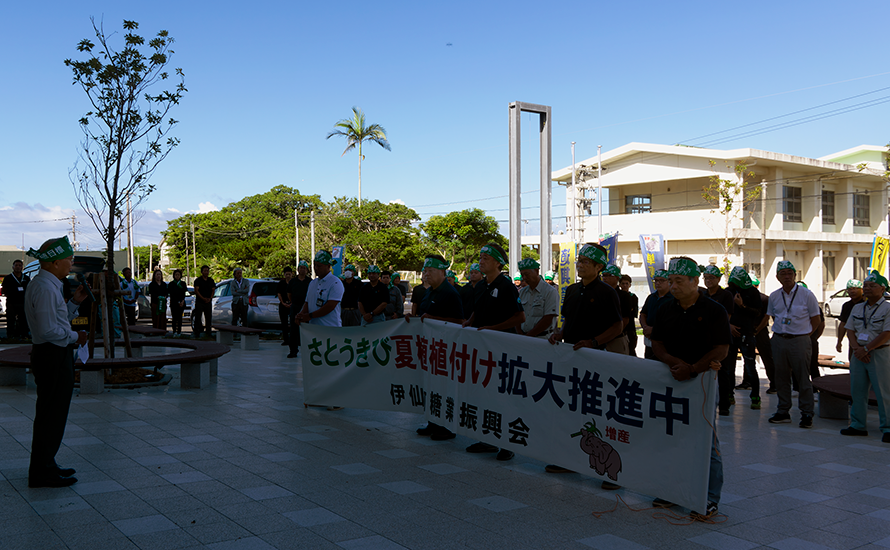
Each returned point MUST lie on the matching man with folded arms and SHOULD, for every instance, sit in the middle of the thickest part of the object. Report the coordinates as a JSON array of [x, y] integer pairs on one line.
[[52, 359], [869, 335], [795, 313]]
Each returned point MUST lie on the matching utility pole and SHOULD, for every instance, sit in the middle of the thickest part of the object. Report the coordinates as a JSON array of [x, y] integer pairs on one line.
[[297, 238], [131, 255], [312, 230], [188, 272], [763, 232], [574, 200], [194, 254], [599, 190]]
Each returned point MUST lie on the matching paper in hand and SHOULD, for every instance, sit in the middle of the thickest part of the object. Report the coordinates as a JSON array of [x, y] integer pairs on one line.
[[83, 353]]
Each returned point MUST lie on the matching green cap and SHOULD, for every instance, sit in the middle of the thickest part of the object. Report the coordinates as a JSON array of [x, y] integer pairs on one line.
[[740, 278], [517, 276], [785, 264], [450, 274], [660, 274], [395, 275], [711, 270], [492, 251], [594, 253], [683, 266], [55, 249], [435, 263], [549, 276], [755, 281], [324, 257], [373, 269], [803, 284], [613, 270], [475, 267], [875, 277], [350, 267], [528, 263], [854, 283], [303, 263]]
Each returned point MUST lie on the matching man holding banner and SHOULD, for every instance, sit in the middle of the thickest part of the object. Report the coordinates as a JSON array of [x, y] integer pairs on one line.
[[322, 305], [692, 337], [498, 309], [540, 301]]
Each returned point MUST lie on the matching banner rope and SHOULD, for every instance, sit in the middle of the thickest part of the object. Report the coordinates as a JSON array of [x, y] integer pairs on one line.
[[671, 517]]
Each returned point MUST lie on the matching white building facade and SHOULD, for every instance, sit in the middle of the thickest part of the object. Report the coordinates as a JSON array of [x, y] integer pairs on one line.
[[821, 214]]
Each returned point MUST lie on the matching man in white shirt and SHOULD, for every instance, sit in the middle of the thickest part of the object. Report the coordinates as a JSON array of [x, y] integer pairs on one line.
[[130, 290], [240, 289], [52, 359], [795, 313], [868, 331], [322, 305], [540, 301]]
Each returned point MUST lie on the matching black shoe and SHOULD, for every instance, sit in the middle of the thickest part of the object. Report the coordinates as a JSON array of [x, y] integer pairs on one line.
[[66, 472], [854, 431], [661, 503], [743, 386], [504, 454], [442, 434], [554, 469], [292, 355], [723, 412], [609, 486], [285, 344], [771, 391], [51, 481], [482, 448], [780, 418], [806, 421], [426, 430], [885, 438]]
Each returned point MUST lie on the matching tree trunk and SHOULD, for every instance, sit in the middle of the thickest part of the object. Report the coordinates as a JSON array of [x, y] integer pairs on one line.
[[360, 174]]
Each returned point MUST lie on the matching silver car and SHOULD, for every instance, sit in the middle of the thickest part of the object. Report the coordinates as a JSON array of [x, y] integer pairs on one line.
[[832, 306], [262, 303]]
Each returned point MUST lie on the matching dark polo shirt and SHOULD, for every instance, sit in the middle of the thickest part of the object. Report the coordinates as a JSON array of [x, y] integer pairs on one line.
[[688, 334], [442, 302], [589, 311], [499, 302]]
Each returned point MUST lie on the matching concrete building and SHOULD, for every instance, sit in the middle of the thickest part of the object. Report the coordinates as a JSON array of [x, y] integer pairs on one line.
[[821, 214]]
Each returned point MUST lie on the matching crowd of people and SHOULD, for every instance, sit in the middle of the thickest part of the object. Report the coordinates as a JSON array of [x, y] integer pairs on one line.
[[690, 323]]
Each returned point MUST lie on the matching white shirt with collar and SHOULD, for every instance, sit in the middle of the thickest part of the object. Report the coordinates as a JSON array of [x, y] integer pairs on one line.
[[49, 317], [538, 302], [791, 311], [870, 320], [321, 291]]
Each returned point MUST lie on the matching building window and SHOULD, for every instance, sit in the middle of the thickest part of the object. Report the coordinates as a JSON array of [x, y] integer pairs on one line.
[[860, 267], [637, 204], [828, 207], [861, 207], [829, 275], [791, 210]]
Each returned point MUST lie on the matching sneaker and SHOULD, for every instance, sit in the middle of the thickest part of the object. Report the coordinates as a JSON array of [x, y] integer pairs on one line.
[[772, 391], [731, 400], [780, 418], [885, 438], [662, 503], [755, 403], [609, 486], [710, 512], [853, 431], [806, 421], [743, 386]]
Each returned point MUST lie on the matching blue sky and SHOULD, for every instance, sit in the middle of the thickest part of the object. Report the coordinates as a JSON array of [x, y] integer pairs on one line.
[[268, 80]]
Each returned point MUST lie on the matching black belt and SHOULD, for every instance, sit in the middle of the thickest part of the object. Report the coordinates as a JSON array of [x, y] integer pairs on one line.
[[789, 336], [349, 309]]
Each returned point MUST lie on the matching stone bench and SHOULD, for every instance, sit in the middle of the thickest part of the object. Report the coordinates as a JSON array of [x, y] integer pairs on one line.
[[250, 337], [137, 331], [198, 365], [835, 396]]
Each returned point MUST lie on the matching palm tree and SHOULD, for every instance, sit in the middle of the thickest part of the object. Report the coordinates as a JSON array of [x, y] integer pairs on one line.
[[355, 132]]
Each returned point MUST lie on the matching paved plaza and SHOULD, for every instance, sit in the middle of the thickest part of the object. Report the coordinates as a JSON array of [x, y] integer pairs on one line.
[[242, 465]]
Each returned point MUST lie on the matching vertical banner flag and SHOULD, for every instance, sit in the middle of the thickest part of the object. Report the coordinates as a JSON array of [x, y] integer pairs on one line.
[[652, 248], [610, 243], [605, 415], [879, 251], [337, 254], [566, 273]]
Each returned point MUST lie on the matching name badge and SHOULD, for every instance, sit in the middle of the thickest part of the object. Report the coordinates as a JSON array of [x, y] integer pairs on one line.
[[319, 302], [862, 337], [21, 289], [494, 293], [786, 320]]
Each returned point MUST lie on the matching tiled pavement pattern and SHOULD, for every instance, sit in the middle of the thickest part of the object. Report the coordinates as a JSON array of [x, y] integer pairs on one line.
[[242, 465]]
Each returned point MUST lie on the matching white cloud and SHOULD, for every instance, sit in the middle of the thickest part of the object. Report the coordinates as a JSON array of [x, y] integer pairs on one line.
[[174, 210], [158, 212], [205, 207], [397, 201]]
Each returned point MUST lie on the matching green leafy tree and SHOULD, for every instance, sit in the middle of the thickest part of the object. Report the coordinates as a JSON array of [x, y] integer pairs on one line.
[[356, 133], [458, 236], [376, 234], [127, 129]]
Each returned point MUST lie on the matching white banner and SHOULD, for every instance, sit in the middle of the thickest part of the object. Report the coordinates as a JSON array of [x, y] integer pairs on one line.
[[609, 416]]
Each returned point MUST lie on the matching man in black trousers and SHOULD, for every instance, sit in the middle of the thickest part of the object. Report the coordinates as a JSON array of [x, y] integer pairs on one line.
[[52, 359]]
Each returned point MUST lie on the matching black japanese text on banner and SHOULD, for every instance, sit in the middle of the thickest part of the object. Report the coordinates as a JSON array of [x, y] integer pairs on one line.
[[610, 416]]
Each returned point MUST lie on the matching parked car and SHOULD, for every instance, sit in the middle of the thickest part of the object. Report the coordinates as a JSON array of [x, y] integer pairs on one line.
[[262, 302], [143, 304], [832, 306]]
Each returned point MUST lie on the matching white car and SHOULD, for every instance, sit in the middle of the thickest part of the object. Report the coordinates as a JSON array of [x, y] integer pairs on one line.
[[262, 301], [832, 306]]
